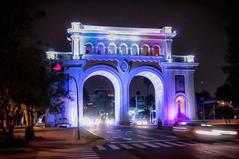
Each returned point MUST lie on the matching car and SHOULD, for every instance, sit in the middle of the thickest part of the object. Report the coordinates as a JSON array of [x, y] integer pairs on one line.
[[201, 130]]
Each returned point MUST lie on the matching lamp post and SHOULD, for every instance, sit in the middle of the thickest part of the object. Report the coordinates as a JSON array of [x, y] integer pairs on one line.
[[77, 103]]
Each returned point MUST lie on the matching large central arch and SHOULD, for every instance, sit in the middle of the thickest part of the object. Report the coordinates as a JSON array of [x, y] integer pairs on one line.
[[111, 74], [155, 77]]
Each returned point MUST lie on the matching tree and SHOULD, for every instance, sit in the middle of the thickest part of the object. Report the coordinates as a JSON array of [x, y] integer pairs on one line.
[[229, 90], [23, 71]]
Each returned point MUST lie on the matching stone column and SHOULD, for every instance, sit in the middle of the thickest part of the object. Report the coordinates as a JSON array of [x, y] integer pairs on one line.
[[169, 109], [168, 49], [75, 46], [75, 70], [124, 117], [190, 94], [123, 68]]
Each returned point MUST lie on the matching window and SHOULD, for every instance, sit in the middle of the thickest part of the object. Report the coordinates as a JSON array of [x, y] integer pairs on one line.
[[145, 50], [123, 49], [88, 48], [100, 48], [156, 50], [112, 48], [179, 84], [134, 49]]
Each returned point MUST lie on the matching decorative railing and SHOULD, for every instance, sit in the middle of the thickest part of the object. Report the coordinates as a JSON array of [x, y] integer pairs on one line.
[[61, 56], [53, 55], [177, 58]]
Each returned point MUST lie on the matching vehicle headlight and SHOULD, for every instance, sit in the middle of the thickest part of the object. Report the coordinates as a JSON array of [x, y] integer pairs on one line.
[[139, 123], [109, 121], [144, 122]]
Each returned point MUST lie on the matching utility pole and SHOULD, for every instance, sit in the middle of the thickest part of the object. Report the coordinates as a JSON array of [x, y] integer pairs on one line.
[[203, 109]]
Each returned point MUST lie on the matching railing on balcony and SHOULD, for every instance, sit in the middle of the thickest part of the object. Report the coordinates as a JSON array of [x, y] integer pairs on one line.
[[53, 55], [188, 58]]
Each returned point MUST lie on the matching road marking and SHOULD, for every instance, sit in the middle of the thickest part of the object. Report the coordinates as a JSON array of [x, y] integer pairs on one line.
[[170, 136], [126, 146], [114, 147], [138, 141], [162, 144], [151, 145], [139, 146], [190, 143], [146, 137], [127, 138], [68, 153], [184, 143], [100, 147], [172, 143]]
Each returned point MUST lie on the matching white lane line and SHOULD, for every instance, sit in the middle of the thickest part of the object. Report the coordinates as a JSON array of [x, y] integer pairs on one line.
[[170, 136], [127, 138], [114, 147], [100, 147], [190, 143], [126, 146], [172, 143], [151, 145], [138, 141], [139, 146], [146, 137], [162, 144], [183, 143]]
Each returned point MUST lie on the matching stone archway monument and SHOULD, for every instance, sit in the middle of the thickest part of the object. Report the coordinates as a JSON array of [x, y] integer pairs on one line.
[[119, 54]]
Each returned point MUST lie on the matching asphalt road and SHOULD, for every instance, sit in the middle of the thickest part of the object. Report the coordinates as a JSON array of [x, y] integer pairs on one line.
[[152, 143], [120, 143]]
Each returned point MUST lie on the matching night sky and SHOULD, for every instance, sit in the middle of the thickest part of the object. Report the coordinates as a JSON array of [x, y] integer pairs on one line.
[[200, 27]]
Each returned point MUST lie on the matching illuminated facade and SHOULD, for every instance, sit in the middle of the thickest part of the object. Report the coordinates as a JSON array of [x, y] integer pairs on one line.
[[120, 54]]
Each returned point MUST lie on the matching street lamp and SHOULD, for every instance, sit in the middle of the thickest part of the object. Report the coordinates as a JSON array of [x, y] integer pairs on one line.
[[77, 103]]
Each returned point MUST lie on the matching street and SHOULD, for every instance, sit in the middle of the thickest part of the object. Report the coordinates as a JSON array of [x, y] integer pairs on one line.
[[117, 143], [151, 143]]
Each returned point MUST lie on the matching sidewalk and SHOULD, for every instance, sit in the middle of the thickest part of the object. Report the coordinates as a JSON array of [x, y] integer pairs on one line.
[[51, 140]]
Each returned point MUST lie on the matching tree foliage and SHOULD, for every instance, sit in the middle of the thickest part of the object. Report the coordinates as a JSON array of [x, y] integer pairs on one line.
[[24, 74], [229, 90]]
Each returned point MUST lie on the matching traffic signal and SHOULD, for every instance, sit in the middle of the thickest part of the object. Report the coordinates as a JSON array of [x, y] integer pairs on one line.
[[57, 67]]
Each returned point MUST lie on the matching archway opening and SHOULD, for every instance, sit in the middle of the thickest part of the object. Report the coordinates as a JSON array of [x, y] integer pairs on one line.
[[106, 74], [88, 48], [142, 101], [100, 48], [98, 101], [156, 50], [145, 50]]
